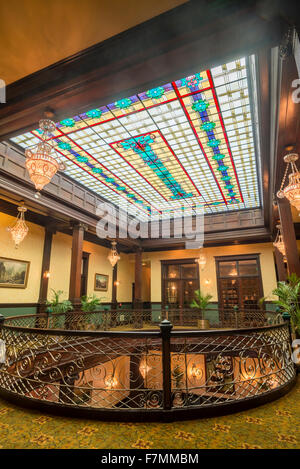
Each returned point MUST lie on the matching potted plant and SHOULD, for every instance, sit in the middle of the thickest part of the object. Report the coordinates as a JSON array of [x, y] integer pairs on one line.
[[200, 302], [288, 300], [89, 303], [56, 305]]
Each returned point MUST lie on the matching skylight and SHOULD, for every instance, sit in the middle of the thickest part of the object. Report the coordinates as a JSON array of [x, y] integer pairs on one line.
[[186, 143]]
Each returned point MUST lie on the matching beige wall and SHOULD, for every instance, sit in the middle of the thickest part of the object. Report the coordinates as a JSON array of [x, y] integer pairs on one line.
[[125, 277], [31, 249], [60, 264], [209, 272], [98, 264]]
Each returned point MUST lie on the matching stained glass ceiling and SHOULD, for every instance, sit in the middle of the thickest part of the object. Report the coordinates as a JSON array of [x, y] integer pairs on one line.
[[186, 143]]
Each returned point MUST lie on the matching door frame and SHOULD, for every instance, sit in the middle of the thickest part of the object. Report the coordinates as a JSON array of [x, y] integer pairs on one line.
[[85, 270], [165, 263], [234, 258]]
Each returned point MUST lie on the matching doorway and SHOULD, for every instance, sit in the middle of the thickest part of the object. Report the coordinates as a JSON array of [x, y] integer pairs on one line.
[[84, 273], [239, 282], [180, 279]]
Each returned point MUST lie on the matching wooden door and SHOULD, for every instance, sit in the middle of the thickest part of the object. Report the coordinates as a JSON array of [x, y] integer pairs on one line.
[[239, 283]]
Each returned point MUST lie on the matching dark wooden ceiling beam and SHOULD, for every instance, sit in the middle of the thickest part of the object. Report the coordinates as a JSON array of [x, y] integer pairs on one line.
[[288, 118], [197, 34]]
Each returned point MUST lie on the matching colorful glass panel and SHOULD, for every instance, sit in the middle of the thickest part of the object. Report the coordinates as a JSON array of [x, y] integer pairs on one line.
[[186, 143]]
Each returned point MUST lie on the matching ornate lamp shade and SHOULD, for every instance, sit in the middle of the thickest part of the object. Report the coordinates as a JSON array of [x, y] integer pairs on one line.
[[41, 165], [292, 190], [278, 243], [113, 256], [19, 230]]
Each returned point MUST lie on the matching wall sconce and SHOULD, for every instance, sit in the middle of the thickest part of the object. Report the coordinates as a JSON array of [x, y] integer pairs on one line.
[[144, 369], [111, 382], [195, 371], [46, 274], [207, 281], [116, 283], [201, 261]]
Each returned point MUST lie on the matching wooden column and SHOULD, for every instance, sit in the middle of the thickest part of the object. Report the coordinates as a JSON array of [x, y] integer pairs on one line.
[[76, 263], [114, 287], [138, 279], [289, 236], [281, 270], [45, 269]]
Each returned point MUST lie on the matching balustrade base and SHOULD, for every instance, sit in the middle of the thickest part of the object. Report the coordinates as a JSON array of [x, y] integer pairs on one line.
[[149, 415]]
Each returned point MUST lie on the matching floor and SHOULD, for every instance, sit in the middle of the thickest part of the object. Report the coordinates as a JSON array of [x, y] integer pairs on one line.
[[274, 425]]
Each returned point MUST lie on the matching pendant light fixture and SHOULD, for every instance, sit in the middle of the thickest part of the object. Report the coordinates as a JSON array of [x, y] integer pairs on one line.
[[292, 190], [40, 162], [19, 230], [113, 256], [278, 243]]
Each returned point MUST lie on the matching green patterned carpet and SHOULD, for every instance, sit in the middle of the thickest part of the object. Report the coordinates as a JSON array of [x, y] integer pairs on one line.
[[274, 425]]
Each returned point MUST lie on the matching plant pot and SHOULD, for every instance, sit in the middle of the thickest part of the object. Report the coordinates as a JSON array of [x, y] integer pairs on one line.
[[203, 324]]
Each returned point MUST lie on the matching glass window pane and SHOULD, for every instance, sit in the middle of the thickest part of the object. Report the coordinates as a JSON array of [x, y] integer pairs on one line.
[[173, 271], [189, 287], [189, 271], [172, 293], [228, 269], [249, 267]]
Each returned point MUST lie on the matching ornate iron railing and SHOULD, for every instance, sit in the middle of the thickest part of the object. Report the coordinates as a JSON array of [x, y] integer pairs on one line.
[[128, 319], [119, 373]]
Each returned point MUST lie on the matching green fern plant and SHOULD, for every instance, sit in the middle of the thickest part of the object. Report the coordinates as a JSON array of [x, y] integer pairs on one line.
[[90, 303], [56, 305], [288, 299], [201, 302]]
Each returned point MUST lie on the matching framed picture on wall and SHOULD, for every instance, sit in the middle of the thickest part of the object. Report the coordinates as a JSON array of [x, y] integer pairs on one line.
[[13, 273], [101, 282]]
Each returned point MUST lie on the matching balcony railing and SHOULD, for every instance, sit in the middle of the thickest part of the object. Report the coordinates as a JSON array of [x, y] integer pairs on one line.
[[128, 319], [82, 363]]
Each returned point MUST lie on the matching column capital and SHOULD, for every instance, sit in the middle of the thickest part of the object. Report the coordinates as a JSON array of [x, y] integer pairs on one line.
[[78, 225]]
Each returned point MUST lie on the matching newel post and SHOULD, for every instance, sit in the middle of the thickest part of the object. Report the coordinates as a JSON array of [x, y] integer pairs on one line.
[[165, 329], [287, 319]]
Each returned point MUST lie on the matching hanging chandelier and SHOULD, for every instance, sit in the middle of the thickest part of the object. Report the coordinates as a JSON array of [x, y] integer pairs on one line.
[[292, 190], [278, 243], [19, 230], [41, 165], [113, 256], [201, 260]]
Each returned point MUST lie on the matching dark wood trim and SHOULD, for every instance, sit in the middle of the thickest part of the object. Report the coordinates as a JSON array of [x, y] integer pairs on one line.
[[164, 279], [114, 288], [45, 266], [280, 266], [138, 279], [289, 236], [18, 305], [189, 260], [168, 46], [85, 273], [288, 117], [76, 260], [264, 108], [237, 258]]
